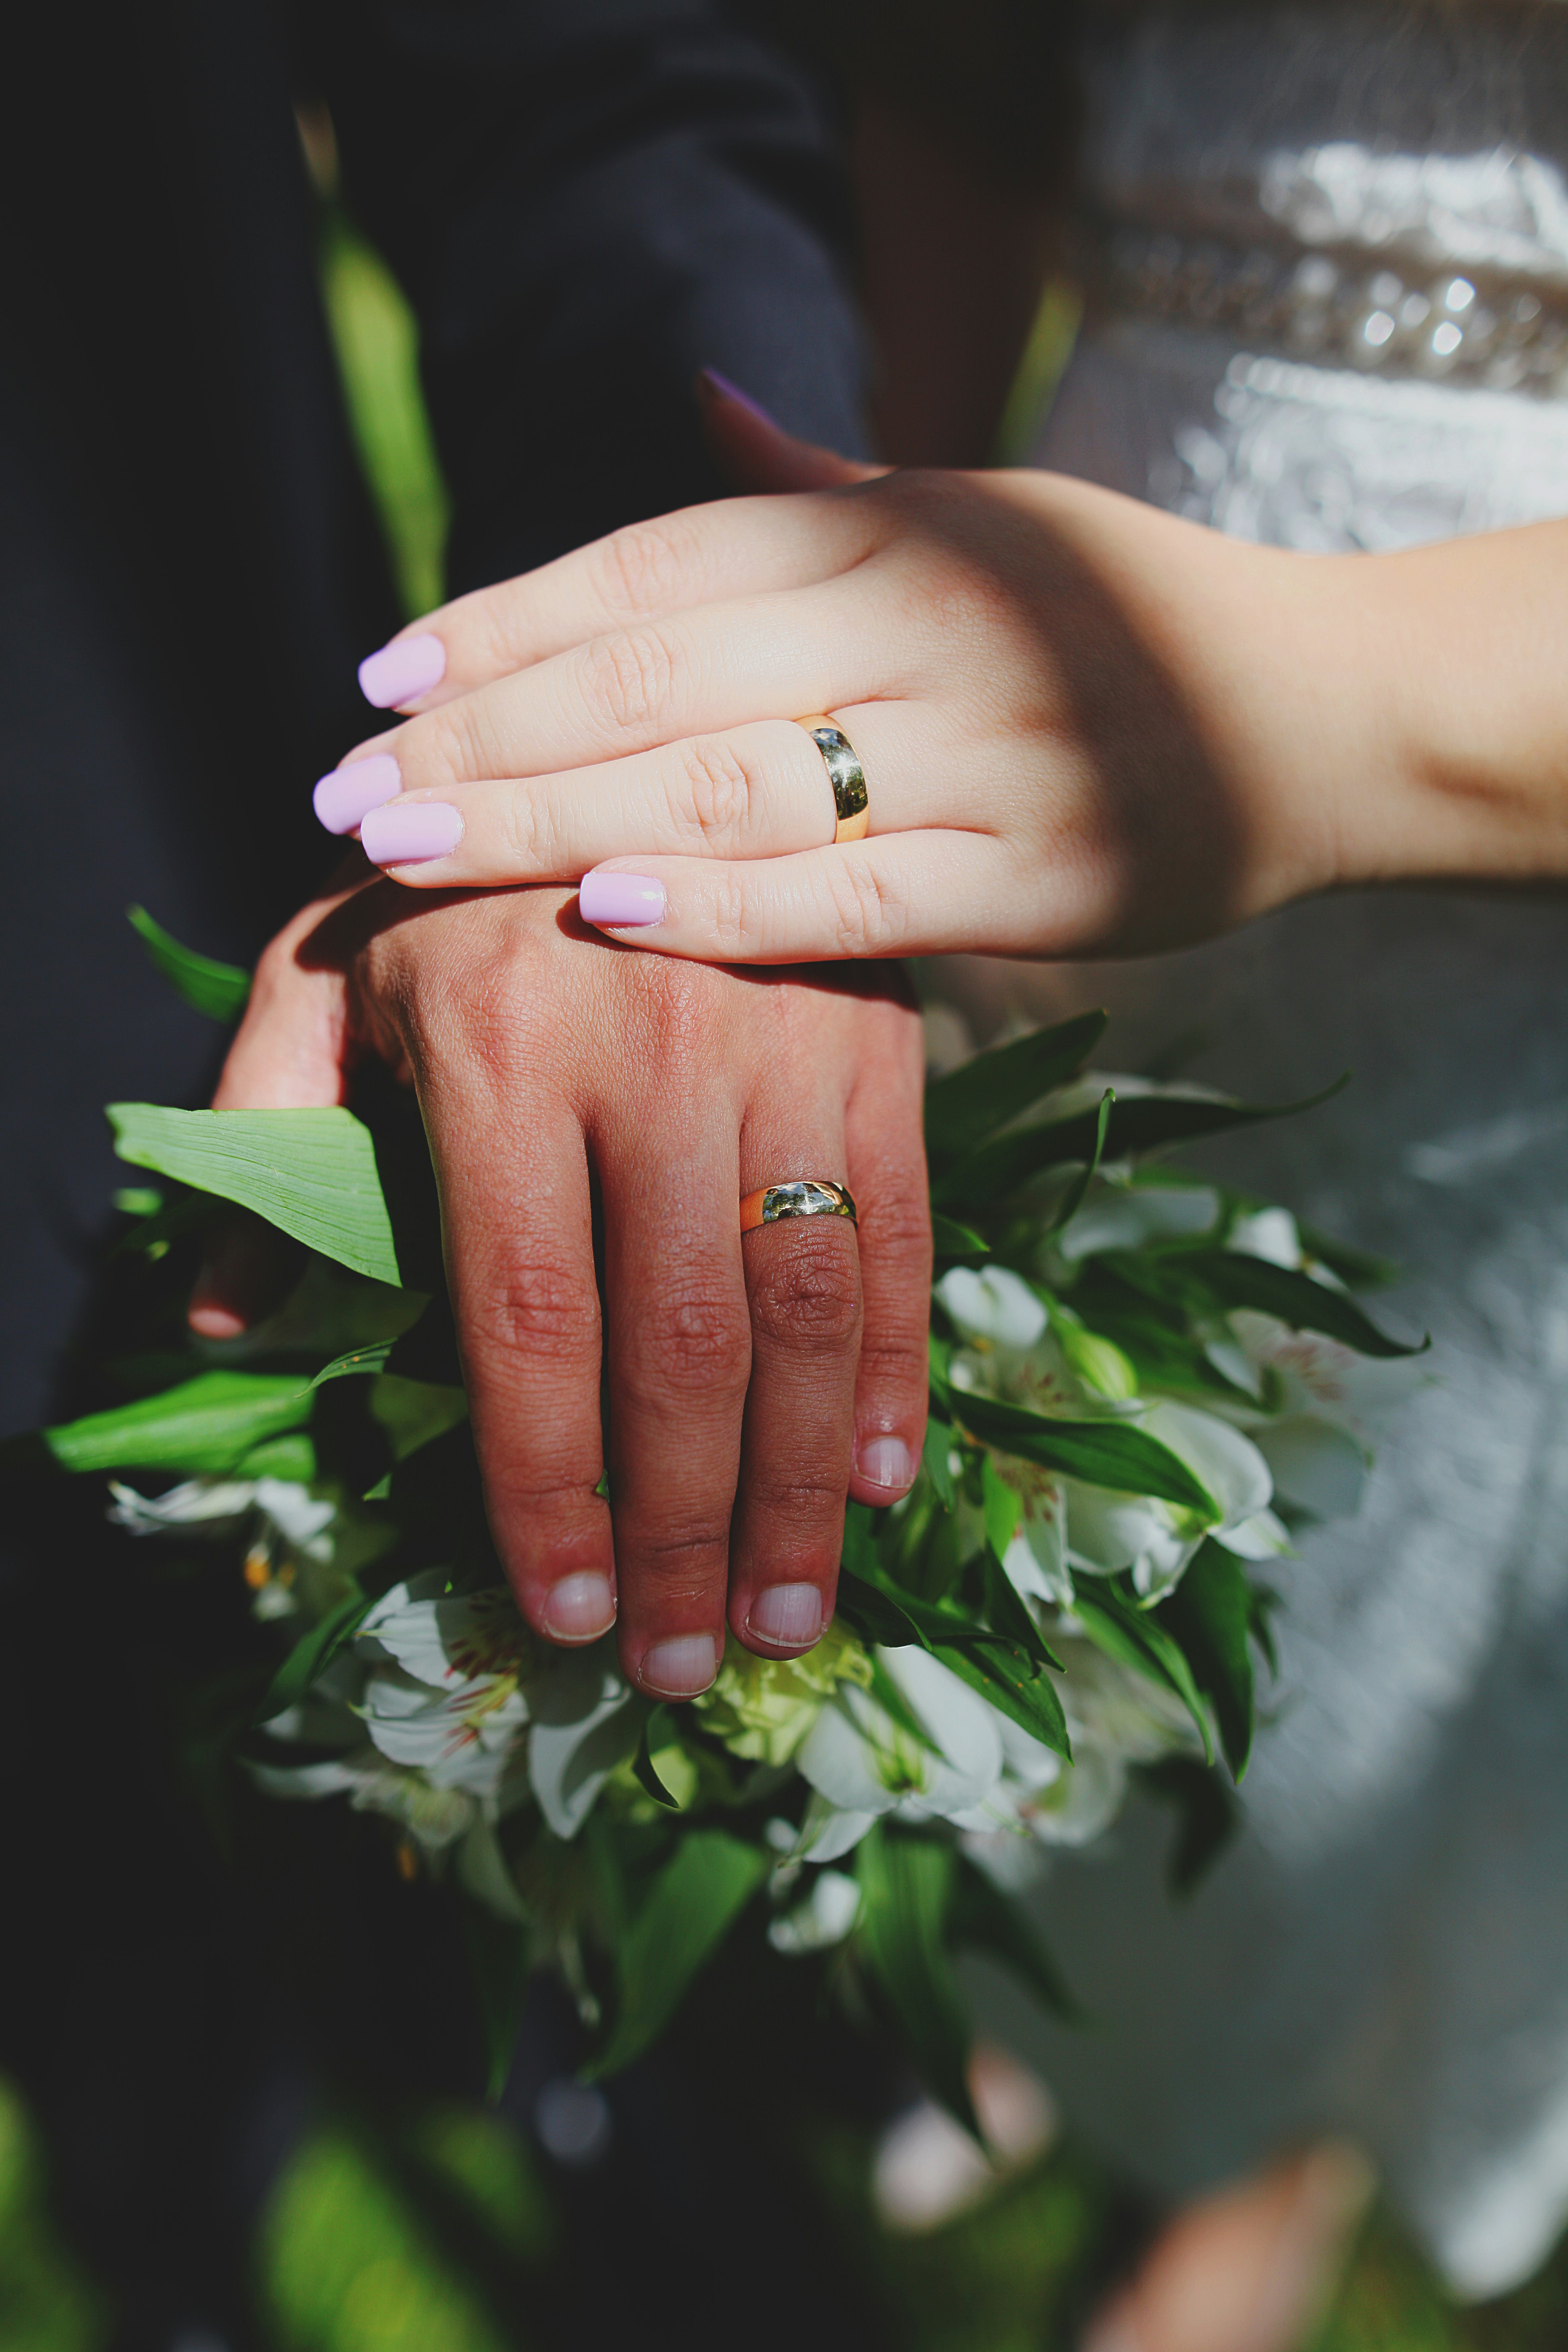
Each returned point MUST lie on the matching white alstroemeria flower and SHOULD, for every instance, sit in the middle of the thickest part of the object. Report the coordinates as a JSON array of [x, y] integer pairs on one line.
[[822, 1918], [1083, 1803], [300, 1517], [1035, 1561], [992, 1305], [1269, 1234], [1332, 1401], [1107, 1531], [460, 1738], [1120, 1215], [444, 1694], [1113, 1708], [865, 1764], [434, 1818], [202, 1507], [584, 1725]]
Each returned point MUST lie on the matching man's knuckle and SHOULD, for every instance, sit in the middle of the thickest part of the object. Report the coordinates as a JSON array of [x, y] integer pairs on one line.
[[690, 1342], [806, 1295], [541, 1310]]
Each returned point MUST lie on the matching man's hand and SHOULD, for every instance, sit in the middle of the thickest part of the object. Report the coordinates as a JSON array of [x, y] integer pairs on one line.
[[751, 1384]]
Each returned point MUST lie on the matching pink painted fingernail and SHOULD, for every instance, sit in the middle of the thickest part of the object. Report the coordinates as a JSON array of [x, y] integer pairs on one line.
[[621, 901], [681, 1667], [402, 671], [410, 833], [347, 796], [728, 391], [579, 1608], [886, 1462], [787, 1614]]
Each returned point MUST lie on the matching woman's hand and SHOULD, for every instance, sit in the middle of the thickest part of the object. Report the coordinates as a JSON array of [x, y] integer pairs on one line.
[[1087, 726], [749, 1385]]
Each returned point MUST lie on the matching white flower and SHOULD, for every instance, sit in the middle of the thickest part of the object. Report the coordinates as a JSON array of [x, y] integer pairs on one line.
[[205, 1507], [1107, 1531], [865, 1763], [584, 1725], [1267, 1234], [825, 1916], [992, 1305], [434, 1818], [1332, 1400]]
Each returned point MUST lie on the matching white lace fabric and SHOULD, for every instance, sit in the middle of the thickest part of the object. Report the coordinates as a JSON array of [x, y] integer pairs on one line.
[[1385, 1950]]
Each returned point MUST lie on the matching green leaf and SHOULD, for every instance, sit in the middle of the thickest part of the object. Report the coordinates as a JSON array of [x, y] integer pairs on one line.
[[1123, 1631], [644, 1765], [1006, 1610], [1209, 1617], [972, 1103], [218, 990], [1078, 1192], [1011, 1681], [950, 1239], [905, 1890], [415, 1412], [310, 1656], [1112, 1453], [1207, 1812], [206, 1424], [499, 1960], [1138, 1123], [693, 1903], [1238, 1280], [358, 1359], [310, 1172], [1001, 1505], [983, 1919], [938, 1446]]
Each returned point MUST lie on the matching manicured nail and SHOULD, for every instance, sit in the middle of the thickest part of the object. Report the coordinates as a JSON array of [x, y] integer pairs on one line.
[[681, 1667], [621, 901], [789, 1614], [402, 671], [887, 1461], [410, 833], [579, 1608], [728, 391], [346, 796]]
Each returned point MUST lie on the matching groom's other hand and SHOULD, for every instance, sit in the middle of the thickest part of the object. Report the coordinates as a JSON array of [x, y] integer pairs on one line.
[[750, 1384]]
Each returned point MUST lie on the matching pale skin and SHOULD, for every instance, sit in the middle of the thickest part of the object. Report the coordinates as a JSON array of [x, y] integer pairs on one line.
[[1089, 727]]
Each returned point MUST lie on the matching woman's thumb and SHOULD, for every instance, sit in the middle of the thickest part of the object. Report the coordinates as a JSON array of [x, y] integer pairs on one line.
[[755, 453]]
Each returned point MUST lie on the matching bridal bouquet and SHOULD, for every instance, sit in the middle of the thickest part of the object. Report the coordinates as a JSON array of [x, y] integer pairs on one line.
[[1140, 1383]]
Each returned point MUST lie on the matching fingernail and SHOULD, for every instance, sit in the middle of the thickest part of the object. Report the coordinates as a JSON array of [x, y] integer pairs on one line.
[[402, 671], [789, 1614], [681, 1667], [624, 901], [886, 1462], [579, 1608], [411, 832], [728, 391], [345, 797]]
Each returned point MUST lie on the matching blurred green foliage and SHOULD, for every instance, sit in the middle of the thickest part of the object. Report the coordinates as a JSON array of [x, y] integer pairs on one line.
[[435, 2237]]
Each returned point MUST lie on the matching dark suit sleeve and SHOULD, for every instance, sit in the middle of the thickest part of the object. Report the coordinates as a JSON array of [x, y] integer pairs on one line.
[[587, 202]]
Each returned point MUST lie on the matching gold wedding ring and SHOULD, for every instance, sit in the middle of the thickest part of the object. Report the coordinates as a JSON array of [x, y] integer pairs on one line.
[[808, 1196], [845, 773]]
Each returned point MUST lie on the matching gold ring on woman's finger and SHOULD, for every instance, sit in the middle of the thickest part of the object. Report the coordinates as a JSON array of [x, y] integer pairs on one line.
[[806, 1196], [850, 799]]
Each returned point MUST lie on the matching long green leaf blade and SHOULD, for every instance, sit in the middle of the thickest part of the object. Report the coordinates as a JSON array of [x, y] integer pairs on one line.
[[1111, 1453], [691, 1908], [1238, 1280], [962, 1108], [219, 990], [310, 1172], [906, 1889], [206, 1424]]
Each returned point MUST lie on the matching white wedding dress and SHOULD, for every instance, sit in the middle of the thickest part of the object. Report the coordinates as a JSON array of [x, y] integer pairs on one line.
[[1329, 308]]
